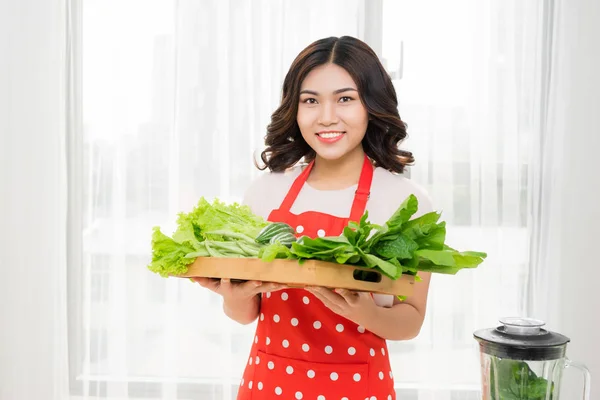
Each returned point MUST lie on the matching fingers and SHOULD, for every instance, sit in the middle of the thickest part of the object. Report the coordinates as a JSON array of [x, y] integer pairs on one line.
[[209, 283], [331, 300], [349, 296], [225, 287], [328, 294], [272, 287]]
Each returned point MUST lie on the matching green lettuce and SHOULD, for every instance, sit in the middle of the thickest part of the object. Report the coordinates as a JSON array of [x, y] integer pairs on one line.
[[210, 230]]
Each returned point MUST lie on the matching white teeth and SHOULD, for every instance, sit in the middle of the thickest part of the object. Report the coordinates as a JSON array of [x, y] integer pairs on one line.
[[330, 135]]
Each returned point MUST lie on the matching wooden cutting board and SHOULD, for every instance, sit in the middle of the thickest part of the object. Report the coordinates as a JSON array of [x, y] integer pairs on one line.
[[292, 273]]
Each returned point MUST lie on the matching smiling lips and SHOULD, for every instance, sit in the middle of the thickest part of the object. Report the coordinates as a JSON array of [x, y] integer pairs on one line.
[[330, 136]]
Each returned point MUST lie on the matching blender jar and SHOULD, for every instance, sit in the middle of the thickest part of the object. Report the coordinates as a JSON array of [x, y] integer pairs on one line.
[[522, 361]]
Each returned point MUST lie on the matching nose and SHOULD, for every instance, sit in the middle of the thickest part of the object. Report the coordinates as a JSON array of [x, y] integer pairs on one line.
[[328, 115]]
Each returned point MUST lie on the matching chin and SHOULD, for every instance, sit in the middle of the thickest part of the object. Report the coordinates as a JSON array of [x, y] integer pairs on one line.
[[331, 155]]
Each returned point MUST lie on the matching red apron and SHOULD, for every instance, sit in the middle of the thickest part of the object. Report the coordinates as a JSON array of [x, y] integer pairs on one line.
[[303, 350]]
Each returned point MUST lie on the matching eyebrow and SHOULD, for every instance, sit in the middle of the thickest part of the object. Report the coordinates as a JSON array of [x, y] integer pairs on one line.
[[348, 89]]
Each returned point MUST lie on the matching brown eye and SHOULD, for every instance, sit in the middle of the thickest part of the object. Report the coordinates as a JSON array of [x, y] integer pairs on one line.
[[345, 99], [310, 100]]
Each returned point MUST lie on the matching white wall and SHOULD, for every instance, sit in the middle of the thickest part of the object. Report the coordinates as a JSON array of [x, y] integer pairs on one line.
[[579, 116]]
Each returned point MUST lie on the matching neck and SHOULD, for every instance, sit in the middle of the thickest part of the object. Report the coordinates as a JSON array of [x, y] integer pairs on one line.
[[337, 174]]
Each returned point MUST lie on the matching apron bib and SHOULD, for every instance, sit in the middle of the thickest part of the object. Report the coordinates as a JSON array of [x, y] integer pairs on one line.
[[303, 350]]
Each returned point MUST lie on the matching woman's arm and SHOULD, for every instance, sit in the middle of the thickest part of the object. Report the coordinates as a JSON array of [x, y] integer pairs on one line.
[[403, 321], [241, 301], [244, 311]]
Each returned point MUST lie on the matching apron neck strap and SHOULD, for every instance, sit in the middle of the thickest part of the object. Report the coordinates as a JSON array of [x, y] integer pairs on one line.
[[363, 192], [361, 195]]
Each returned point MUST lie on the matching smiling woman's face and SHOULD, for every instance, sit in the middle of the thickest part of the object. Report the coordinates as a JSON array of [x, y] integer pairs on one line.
[[331, 116]]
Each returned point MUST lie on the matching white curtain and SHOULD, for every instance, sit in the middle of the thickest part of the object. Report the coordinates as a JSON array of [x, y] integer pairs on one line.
[[34, 62], [467, 75]]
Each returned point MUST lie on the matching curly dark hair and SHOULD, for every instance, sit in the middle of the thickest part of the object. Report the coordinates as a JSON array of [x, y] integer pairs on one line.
[[285, 145]]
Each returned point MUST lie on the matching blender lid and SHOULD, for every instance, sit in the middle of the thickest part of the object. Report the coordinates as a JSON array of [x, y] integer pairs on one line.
[[522, 339]]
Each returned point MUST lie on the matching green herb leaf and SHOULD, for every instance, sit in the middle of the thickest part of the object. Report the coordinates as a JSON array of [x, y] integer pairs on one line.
[[406, 210], [396, 246]]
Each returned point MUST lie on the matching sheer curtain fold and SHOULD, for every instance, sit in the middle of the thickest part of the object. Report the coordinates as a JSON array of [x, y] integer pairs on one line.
[[33, 204]]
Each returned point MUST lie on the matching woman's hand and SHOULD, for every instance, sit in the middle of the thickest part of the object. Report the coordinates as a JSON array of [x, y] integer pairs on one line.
[[237, 291], [402, 321], [241, 302], [355, 306]]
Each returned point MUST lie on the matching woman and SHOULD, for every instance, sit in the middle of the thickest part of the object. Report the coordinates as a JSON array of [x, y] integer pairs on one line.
[[339, 113]]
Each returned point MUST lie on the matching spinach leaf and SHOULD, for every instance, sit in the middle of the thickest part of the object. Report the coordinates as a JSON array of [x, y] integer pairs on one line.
[[421, 226], [396, 246], [406, 210], [386, 267]]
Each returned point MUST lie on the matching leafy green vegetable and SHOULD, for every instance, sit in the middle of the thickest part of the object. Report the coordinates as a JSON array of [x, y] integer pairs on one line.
[[218, 216], [168, 256], [514, 380], [209, 230], [401, 246]]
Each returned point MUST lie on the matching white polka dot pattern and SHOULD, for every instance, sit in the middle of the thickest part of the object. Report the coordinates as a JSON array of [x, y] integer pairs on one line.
[[306, 337]]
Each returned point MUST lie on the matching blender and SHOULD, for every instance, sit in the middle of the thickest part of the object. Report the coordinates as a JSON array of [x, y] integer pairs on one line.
[[522, 361]]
